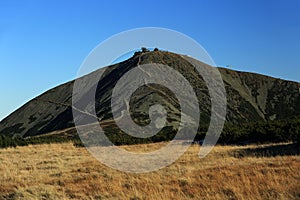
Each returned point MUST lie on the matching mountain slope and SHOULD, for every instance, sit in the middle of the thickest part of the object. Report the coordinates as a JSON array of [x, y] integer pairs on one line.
[[251, 97]]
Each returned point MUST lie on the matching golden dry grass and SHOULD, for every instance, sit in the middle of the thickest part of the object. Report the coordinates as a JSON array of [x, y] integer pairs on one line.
[[62, 171]]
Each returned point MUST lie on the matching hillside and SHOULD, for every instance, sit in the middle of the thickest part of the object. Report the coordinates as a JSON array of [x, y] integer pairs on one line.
[[250, 98]]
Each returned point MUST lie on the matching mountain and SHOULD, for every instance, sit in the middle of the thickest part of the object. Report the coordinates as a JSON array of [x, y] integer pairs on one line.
[[250, 97]]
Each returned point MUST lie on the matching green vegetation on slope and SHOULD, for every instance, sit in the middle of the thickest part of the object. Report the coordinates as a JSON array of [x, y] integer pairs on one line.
[[6, 141], [262, 132], [257, 132]]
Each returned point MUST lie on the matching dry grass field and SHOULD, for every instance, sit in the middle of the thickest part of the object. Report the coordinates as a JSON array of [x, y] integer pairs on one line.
[[62, 171]]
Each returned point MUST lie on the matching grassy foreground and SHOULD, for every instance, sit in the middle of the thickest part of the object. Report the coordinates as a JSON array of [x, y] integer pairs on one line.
[[62, 171]]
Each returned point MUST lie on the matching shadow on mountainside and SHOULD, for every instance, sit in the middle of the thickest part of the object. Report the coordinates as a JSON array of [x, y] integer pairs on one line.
[[269, 151]]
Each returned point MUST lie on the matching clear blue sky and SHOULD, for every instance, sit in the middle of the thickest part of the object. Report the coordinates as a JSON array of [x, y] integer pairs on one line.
[[43, 43]]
